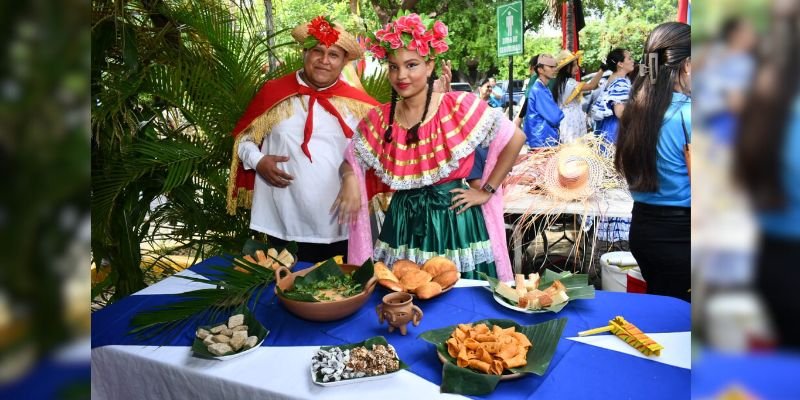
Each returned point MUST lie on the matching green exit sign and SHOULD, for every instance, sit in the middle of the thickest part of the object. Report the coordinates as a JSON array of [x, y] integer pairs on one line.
[[509, 29]]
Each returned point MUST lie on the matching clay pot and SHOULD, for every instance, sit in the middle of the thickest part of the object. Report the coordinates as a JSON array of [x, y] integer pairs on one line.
[[397, 309], [321, 311]]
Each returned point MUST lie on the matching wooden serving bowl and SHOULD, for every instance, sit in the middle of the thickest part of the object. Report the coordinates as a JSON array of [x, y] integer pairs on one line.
[[321, 311]]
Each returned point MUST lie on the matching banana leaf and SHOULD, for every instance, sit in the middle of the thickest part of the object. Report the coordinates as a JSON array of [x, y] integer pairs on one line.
[[236, 284], [544, 337], [577, 287], [368, 344], [253, 328], [328, 268]]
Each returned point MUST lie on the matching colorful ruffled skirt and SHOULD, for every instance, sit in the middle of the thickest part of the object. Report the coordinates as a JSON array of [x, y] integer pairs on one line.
[[420, 225]]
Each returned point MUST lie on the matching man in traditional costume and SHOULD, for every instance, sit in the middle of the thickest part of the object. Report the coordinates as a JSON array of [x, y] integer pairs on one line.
[[291, 140]]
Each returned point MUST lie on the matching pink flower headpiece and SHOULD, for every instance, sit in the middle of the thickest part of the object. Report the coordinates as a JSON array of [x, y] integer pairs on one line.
[[423, 35]]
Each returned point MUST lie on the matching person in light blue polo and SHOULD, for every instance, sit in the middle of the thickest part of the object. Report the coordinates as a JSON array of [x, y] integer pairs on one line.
[[652, 141], [542, 116]]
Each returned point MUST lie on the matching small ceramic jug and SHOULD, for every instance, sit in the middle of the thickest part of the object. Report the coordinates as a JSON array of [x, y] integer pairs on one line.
[[398, 310]]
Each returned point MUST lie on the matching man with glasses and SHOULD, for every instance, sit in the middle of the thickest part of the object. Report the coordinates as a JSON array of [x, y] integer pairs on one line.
[[542, 116]]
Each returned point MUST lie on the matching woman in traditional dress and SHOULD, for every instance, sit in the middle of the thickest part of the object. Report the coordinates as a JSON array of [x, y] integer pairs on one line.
[[609, 106], [422, 146], [567, 92]]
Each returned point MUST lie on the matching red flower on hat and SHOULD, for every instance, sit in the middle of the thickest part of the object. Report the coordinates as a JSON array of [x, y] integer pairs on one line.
[[322, 29], [378, 51]]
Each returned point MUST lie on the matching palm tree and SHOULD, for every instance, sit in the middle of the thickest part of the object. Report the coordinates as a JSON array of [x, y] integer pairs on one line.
[[169, 80]]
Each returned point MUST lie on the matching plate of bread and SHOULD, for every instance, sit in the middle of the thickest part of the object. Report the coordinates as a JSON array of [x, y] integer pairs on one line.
[[436, 276]]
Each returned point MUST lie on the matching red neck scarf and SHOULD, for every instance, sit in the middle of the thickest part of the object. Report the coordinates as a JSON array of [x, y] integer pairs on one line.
[[323, 98], [277, 90]]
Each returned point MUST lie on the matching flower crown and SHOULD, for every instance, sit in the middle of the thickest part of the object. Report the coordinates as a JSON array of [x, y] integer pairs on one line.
[[320, 30], [423, 35]]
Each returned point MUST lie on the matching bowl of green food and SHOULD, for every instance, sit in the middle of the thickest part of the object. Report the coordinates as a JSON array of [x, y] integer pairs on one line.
[[327, 292]]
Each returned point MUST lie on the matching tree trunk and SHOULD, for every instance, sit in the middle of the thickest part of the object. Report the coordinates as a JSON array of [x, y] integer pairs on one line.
[[354, 7], [273, 63], [570, 25]]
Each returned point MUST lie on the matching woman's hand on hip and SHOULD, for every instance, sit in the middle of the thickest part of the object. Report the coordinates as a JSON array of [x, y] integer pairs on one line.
[[268, 169], [348, 202], [466, 198]]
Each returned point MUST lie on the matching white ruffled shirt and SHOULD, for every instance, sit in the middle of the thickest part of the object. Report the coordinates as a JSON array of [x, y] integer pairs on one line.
[[300, 211]]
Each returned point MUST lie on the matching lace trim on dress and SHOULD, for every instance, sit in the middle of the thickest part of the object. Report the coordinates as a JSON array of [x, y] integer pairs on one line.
[[465, 259]]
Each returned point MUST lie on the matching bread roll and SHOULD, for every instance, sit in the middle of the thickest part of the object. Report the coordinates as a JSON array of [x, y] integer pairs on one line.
[[438, 265], [383, 272], [428, 290], [400, 268], [391, 285], [415, 278], [447, 278]]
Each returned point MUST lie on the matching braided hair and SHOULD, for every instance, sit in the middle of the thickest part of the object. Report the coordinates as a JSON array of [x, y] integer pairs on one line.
[[387, 136], [413, 135]]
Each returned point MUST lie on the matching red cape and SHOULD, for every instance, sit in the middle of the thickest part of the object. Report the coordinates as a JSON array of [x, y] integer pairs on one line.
[[272, 93]]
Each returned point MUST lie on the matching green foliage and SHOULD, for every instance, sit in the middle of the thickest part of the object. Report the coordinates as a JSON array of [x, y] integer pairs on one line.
[[168, 84], [533, 46], [236, 285], [626, 27]]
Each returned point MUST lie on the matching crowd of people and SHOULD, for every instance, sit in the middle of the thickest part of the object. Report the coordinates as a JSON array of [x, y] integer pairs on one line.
[[311, 150]]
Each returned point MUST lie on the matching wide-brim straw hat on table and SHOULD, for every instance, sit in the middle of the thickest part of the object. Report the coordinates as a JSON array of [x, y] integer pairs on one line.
[[565, 57], [574, 172], [346, 41]]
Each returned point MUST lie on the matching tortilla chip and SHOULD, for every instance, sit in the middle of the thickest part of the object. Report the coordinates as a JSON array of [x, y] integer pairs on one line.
[[471, 344], [453, 347], [515, 362], [488, 350], [481, 328], [484, 355], [508, 351], [479, 365], [461, 335], [463, 359], [522, 340], [496, 368], [486, 337], [491, 347]]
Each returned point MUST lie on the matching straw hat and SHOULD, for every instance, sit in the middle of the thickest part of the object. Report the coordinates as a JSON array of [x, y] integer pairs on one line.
[[574, 172], [346, 41], [565, 57]]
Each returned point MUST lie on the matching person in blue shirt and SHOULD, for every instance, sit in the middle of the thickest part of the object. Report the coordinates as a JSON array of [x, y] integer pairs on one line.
[[766, 157], [610, 104], [654, 131], [542, 116]]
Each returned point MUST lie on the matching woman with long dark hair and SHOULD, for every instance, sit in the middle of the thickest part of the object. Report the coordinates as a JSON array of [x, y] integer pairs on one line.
[[767, 165], [422, 145], [654, 133], [609, 106], [567, 93]]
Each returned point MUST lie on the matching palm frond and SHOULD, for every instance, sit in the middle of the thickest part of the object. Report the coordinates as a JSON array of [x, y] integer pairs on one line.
[[377, 85]]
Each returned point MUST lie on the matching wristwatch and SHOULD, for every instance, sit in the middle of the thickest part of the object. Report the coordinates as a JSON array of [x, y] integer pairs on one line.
[[489, 188]]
